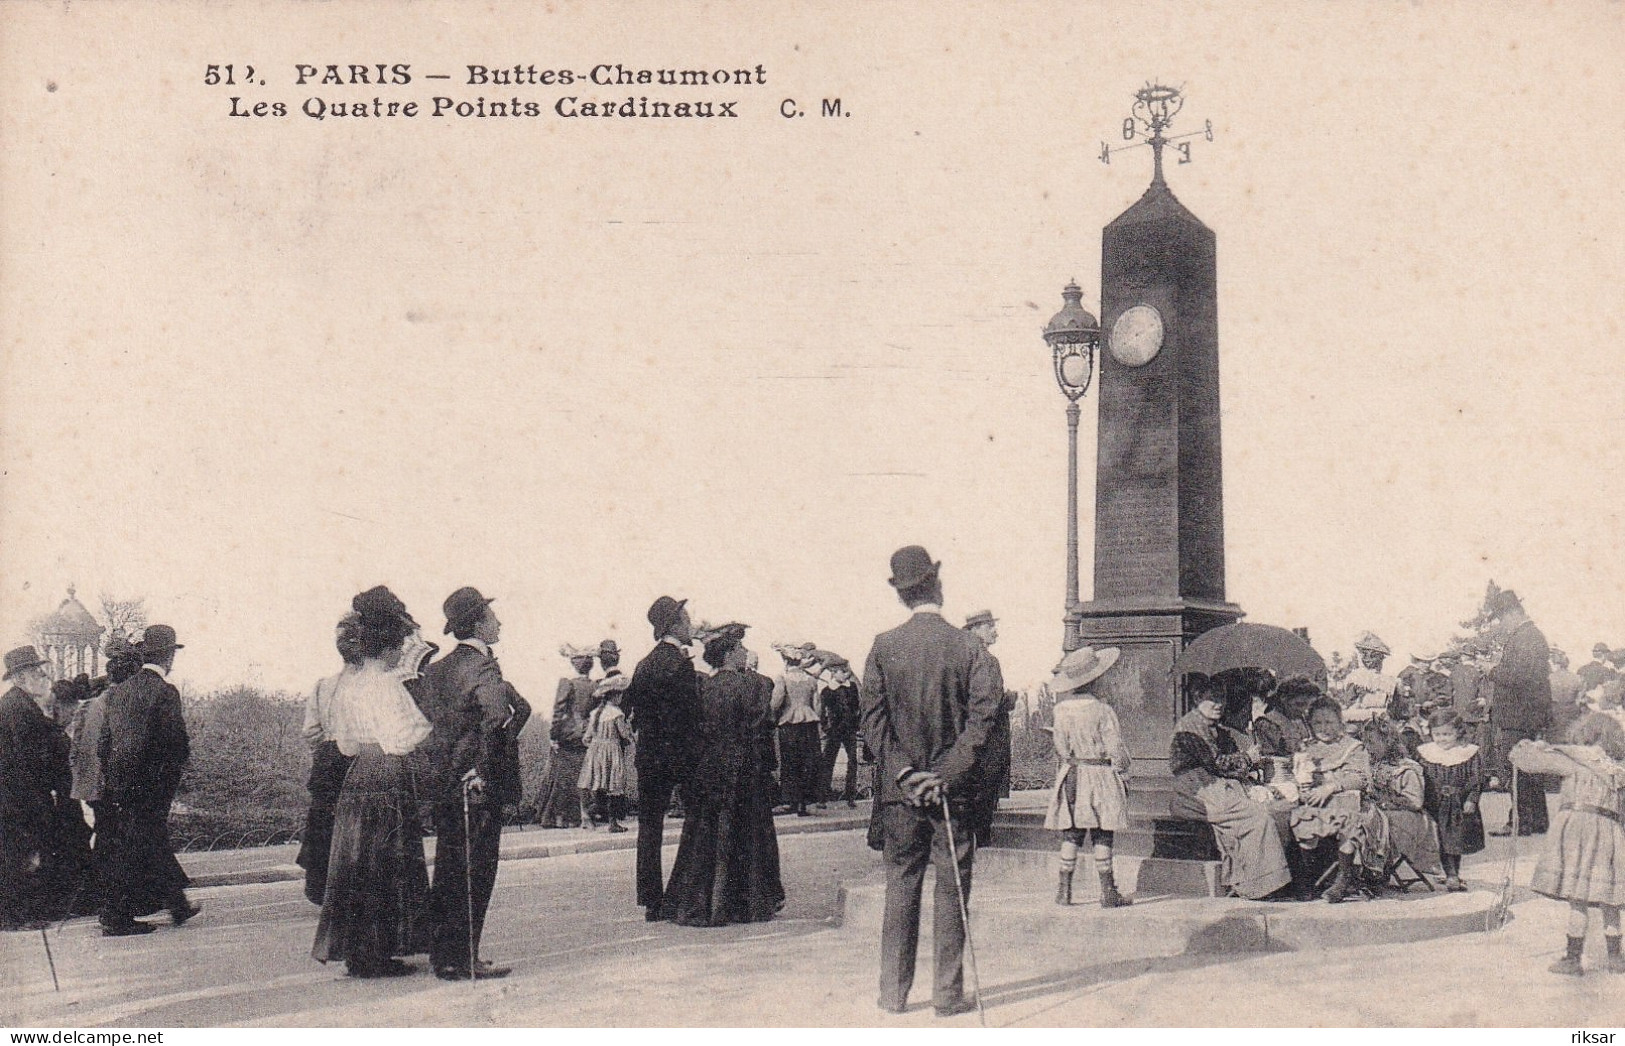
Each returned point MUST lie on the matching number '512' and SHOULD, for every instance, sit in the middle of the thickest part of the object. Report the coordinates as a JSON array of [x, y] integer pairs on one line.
[[215, 75]]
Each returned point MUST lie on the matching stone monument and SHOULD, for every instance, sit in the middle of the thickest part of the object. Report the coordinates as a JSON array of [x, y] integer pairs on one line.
[[1159, 488]]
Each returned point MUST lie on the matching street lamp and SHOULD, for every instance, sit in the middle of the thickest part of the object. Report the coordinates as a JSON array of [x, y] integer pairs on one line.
[[1073, 335]]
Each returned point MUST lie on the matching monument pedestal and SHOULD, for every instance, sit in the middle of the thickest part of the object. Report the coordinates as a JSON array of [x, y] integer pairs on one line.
[[1142, 687]]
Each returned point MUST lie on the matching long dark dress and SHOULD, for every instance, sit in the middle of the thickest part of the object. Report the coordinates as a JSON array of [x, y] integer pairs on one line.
[[727, 867], [377, 878], [1446, 790], [328, 767]]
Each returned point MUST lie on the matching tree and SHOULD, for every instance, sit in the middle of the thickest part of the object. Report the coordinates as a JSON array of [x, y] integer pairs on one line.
[[127, 616]]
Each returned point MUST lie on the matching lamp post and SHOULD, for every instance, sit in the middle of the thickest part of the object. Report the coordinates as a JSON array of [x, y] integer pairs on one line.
[[1073, 335]]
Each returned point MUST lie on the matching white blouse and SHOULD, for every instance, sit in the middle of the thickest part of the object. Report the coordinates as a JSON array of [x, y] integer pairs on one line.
[[365, 704]]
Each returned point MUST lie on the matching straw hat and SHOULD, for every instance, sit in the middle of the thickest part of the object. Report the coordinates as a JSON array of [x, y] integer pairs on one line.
[[1082, 667]]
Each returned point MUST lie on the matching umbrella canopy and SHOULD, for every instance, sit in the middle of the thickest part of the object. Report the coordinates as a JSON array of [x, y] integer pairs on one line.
[[1246, 645]]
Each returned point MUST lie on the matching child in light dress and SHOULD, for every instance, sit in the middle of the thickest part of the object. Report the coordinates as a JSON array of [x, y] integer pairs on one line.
[[1584, 859], [1333, 773], [1088, 802], [603, 772]]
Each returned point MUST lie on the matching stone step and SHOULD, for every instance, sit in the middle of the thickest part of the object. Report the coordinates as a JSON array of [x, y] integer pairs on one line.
[[1136, 872], [1012, 907]]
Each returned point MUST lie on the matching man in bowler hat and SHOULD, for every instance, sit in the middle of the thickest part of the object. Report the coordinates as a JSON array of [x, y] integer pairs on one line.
[[663, 703], [475, 715], [144, 748], [929, 701]]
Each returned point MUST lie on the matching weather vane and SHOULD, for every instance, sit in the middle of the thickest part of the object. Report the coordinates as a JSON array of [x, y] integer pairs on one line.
[[1155, 107]]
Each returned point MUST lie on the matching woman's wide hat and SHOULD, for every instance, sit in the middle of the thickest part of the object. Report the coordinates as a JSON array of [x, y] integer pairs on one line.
[[910, 565], [1082, 667], [22, 659]]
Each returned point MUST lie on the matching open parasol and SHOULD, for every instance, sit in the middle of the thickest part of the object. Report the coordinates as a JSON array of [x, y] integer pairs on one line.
[[1246, 645]]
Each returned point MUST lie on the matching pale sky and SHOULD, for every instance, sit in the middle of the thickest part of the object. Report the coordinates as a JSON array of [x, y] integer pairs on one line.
[[253, 366]]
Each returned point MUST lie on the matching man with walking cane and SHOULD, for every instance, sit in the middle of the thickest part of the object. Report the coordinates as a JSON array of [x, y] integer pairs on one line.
[[928, 703], [473, 711]]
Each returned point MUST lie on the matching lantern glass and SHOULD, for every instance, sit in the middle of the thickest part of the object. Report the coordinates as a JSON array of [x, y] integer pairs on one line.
[[1075, 368]]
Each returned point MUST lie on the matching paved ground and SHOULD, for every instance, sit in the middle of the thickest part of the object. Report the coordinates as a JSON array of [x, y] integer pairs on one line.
[[583, 956]]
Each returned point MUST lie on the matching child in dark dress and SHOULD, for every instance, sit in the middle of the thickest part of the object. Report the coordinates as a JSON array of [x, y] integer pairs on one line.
[[1453, 772]]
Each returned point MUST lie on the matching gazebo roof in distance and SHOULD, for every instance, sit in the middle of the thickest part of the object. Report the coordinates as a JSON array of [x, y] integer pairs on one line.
[[72, 621]]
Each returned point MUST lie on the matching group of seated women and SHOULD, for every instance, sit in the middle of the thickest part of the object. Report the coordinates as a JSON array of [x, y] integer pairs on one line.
[[1296, 787]]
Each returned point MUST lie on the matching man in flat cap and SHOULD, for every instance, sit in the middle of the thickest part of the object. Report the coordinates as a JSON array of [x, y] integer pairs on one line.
[[476, 716], [663, 704], [37, 815], [995, 765], [929, 700], [144, 748], [1521, 704]]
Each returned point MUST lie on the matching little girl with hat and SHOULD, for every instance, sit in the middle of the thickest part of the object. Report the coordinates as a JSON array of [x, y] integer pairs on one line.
[[1089, 798]]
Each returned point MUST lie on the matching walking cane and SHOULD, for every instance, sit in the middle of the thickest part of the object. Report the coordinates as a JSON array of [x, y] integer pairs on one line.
[[964, 910], [1499, 914], [468, 882], [45, 937]]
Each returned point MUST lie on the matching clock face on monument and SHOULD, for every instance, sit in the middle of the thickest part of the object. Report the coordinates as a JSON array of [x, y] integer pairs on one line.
[[1137, 336]]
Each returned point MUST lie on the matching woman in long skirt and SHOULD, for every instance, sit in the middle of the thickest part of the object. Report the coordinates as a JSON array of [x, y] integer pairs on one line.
[[376, 878], [727, 867], [328, 768], [559, 803], [1210, 764]]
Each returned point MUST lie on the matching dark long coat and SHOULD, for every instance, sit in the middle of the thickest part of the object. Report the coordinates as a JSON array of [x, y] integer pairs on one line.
[[1523, 682], [43, 835], [929, 699], [476, 718], [727, 866], [663, 705], [144, 750]]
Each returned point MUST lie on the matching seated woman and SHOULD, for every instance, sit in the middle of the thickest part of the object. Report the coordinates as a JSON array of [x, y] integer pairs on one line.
[[1211, 766], [1333, 772], [1399, 791], [1283, 730]]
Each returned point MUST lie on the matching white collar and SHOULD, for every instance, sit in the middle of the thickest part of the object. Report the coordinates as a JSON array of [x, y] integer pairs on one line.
[[163, 673], [674, 641], [1433, 752], [928, 608], [478, 644]]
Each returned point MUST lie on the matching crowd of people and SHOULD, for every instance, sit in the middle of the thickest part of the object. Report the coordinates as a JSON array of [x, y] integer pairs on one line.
[[1323, 787], [117, 746], [1294, 797]]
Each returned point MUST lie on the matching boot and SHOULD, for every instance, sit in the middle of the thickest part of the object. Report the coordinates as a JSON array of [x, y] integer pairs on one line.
[[1063, 889], [1109, 897], [1342, 882], [1616, 962], [1569, 965]]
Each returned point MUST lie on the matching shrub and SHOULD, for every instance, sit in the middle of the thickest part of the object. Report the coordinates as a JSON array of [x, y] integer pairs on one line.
[[246, 779]]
